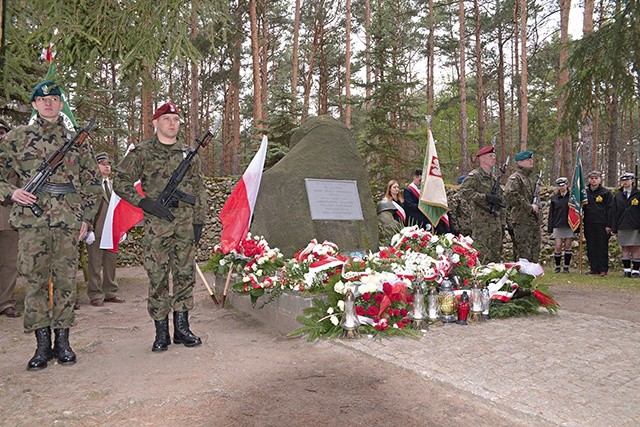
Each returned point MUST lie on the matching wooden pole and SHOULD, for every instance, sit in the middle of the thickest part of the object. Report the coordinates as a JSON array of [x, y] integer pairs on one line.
[[206, 284], [226, 286], [51, 293]]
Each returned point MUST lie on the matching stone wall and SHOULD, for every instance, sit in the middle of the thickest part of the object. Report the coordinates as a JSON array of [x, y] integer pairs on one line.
[[219, 189]]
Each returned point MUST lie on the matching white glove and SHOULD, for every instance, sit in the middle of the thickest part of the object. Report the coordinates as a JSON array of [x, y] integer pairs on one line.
[[90, 237]]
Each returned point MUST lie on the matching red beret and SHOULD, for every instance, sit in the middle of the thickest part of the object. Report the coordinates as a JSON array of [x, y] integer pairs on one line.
[[168, 108], [485, 150]]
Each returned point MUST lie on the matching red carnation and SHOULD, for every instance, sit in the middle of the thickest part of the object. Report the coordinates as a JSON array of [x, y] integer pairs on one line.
[[366, 296], [386, 287], [373, 310], [404, 312], [400, 325], [359, 311], [377, 298]]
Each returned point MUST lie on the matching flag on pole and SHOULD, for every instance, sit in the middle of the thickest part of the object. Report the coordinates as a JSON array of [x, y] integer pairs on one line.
[[69, 119], [578, 195], [236, 213], [433, 196]]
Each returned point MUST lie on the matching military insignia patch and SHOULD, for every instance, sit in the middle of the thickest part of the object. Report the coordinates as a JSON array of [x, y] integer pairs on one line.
[[599, 199], [634, 202], [45, 89]]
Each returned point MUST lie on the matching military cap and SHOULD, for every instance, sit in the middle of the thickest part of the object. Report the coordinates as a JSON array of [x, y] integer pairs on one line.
[[4, 125], [523, 155], [417, 172], [627, 176], [561, 181], [102, 157], [45, 88], [486, 150], [168, 108], [594, 173]]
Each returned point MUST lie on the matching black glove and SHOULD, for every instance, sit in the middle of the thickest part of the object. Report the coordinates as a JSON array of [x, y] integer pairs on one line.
[[495, 201], [197, 233], [152, 207]]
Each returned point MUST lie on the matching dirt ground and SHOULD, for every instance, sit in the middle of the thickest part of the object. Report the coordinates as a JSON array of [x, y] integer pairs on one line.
[[244, 374]]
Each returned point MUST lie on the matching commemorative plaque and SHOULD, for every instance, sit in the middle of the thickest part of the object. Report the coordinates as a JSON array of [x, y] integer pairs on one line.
[[331, 199]]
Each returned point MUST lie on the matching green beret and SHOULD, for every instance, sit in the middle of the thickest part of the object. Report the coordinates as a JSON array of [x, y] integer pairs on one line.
[[523, 155], [45, 88]]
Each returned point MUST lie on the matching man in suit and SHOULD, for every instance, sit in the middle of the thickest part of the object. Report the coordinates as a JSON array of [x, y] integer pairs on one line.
[[102, 289], [412, 203]]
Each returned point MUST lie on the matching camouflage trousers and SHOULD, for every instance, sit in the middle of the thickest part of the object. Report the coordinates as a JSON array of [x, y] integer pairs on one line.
[[169, 254], [526, 240], [42, 253], [487, 237]]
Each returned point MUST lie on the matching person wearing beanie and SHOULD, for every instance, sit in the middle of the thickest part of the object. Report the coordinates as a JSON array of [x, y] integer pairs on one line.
[[170, 233], [597, 224], [48, 242], [625, 224], [486, 223], [523, 212], [558, 225]]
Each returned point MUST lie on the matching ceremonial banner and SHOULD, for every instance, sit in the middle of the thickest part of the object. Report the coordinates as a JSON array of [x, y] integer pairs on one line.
[[578, 195], [433, 196]]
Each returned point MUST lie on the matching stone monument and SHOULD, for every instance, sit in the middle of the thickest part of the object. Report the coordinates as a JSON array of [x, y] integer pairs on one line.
[[322, 177]]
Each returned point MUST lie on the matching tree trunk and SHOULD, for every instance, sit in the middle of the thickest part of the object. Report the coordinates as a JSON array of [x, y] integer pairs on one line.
[[524, 102], [430, 60], [464, 164], [562, 151], [501, 95], [294, 59], [480, 94], [194, 125], [264, 62], [590, 148], [612, 148], [146, 97], [367, 54], [347, 72], [255, 56]]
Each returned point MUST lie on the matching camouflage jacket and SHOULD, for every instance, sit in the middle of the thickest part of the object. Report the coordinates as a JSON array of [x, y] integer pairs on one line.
[[152, 163], [23, 150], [475, 187], [518, 194]]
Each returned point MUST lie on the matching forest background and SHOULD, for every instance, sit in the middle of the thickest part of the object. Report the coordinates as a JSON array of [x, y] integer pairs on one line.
[[503, 72]]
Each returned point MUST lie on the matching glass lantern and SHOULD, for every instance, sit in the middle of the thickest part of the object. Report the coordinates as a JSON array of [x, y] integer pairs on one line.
[[447, 302]]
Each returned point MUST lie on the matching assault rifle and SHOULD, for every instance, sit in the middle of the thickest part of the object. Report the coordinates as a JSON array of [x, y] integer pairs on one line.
[[495, 207], [51, 163], [171, 195], [536, 191]]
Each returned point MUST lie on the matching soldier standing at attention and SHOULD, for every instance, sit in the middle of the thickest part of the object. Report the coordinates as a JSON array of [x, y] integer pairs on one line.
[[597, 224], [485, 221], [48, 244], [523, 212], [626, 224], [169, 233]]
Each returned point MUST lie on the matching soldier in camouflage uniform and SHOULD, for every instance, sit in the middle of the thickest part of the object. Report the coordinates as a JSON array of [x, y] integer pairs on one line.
[[476, 191], [460, 212], [168, 243], [524, 215], [48, 245]]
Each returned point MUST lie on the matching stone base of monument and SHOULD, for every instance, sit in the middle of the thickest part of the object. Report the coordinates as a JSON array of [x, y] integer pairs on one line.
[[280, 314]]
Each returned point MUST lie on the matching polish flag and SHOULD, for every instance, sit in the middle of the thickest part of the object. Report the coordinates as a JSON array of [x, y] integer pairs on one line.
[[121, 216], [236, 213]]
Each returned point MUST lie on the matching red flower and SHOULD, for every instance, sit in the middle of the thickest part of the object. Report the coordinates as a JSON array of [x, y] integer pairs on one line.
[[404, 312], [377, 298], [373, 310], [386, 288], [366, 296], [400, 325], [359, 311]]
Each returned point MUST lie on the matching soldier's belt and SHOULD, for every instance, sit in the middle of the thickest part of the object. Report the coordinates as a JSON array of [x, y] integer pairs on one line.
[[58, 189]]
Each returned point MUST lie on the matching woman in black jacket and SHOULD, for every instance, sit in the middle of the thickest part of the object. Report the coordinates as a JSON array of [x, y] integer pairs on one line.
[[558, 225], [626, 222]]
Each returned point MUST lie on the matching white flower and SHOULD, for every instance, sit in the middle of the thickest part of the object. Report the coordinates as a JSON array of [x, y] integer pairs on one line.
[[334, 320], [439, 249], [341, 305], [223, 261], [455, 258], [434, 238], [330, 310], [339, 287], [259, 273]]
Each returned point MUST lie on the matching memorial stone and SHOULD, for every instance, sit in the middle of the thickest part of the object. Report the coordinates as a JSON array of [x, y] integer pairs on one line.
[[323, 156]]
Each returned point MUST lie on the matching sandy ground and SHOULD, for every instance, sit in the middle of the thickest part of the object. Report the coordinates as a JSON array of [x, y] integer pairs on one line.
[[244, 374]]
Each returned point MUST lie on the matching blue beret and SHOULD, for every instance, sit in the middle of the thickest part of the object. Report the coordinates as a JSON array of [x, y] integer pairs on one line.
[[523, 155], [45, 88]]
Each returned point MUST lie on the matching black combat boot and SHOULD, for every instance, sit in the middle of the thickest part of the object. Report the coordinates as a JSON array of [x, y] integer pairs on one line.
[[43, 351], [181, 332], [163, 339], [62, 349]]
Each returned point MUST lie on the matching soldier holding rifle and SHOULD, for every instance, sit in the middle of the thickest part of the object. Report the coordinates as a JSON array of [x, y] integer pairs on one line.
[[172, 226], [482, 189], [51, 218], [523, 200]]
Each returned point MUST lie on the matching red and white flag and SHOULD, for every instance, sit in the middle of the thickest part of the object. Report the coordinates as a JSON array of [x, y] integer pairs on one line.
[[121, 216], [236, 213]]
